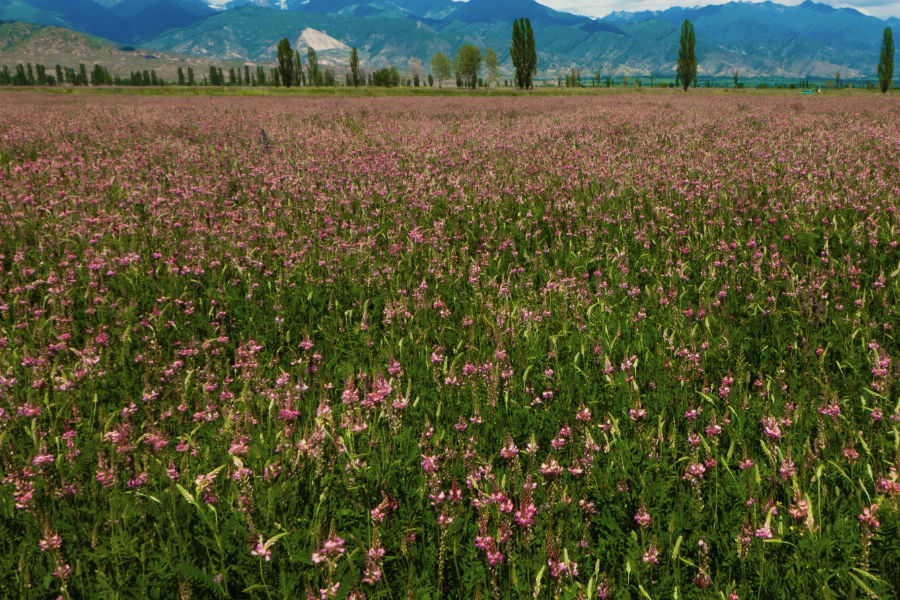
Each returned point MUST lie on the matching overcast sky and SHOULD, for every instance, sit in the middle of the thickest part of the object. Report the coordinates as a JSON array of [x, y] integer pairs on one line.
[[600, 8]]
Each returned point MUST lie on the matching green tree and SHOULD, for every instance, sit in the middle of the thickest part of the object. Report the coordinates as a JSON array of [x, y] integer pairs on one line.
[[232, 77], [440, 66], [260, 76], [213, 76], [180, 76], [82, 75], [246, 75], [354, 67], [736, 75], [59, 75], [285, 62], [468, 64], [190, 77], [492, 64], [312, 67], [531, 54], [686, 66], [886, 62], [30, 77], [298, 69], [430, 80], [518, 52]]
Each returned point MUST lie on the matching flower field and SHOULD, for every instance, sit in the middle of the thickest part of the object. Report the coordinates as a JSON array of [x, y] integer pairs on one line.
[[621, 346]]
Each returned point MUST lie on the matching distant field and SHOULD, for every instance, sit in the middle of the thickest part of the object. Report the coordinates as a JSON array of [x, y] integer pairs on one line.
[[376, 92], [579, 345]]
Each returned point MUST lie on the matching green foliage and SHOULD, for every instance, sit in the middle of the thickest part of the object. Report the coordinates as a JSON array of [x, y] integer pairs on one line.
[[314, 74], [523, 53], [597, 318], [686, 66], [886, 61], [441, 68], [355, 75], [286, 62], [467, 64]]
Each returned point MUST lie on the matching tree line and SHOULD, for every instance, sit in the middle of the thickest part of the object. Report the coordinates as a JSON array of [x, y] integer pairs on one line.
[[26, 75], [466, 66]]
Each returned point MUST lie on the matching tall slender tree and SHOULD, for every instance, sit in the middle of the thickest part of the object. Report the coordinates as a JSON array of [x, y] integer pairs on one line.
[[492, 63], [298, 69], [312, 67], [531, 55], [686, 66], [285, 62], [886, 62], [518, 51], [180, 76], [354, 67]]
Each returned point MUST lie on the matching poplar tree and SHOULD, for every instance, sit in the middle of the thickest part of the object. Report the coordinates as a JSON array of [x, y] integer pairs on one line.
[[298, 69], [312, 66], [531, 55], [517, 52], [354, 67], [523, 53], [190, 77], [246, 75], [492, 63], [180, 76], [213, 76], [886, 63], [686, 66], [285, 62]]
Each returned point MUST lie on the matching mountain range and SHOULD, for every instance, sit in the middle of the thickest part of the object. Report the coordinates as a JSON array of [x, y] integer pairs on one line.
[[757, 39]]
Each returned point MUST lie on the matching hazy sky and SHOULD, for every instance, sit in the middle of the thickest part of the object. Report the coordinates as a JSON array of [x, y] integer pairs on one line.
[[599, 8]]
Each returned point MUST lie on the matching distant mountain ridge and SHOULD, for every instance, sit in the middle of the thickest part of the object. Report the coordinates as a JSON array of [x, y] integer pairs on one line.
[[142, 19], [765, 39], [743, 22]]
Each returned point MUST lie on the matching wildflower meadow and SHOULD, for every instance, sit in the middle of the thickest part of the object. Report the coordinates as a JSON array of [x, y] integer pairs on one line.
[[634, 345]]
